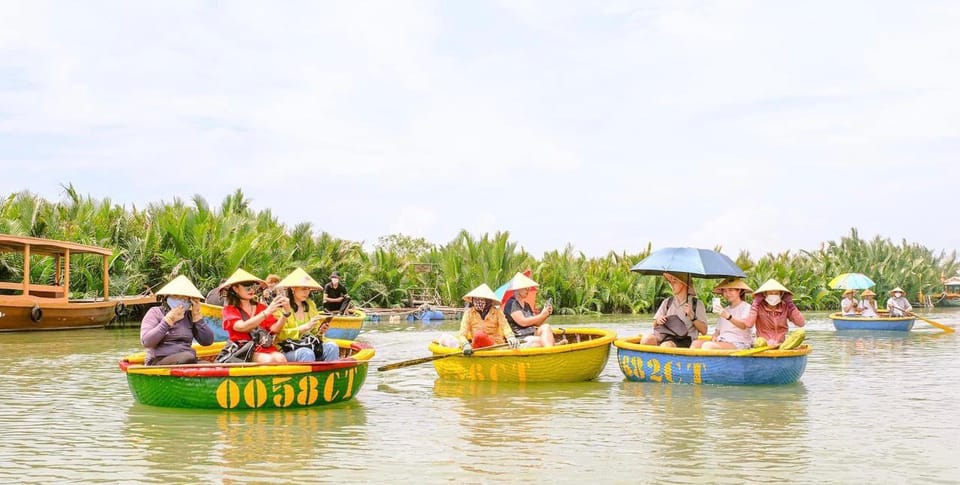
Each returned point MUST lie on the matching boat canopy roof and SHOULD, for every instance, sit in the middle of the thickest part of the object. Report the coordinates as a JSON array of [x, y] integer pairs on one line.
[[48, 247], [952, 281]]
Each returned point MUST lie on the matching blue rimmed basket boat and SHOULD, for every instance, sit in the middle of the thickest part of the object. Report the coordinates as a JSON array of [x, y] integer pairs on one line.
[[889, 324], [651, 363]]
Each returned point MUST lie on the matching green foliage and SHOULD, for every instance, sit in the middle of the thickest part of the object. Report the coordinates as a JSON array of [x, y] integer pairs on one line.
[[207, 243]]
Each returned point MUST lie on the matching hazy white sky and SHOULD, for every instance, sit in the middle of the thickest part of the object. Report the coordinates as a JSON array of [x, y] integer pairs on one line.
[[758, 125]]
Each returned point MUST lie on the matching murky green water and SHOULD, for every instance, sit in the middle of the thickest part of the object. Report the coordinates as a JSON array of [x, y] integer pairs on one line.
[[880, 407]]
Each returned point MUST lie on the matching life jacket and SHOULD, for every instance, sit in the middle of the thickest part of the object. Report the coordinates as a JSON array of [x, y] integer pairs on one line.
[[489, 325]]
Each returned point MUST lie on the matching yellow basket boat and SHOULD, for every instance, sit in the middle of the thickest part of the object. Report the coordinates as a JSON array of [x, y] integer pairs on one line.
[[581, 359]]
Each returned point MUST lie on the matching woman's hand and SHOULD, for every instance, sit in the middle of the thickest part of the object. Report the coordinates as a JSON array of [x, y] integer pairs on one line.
[[174, 315], [276, 304], [195, 314], [660, 320]]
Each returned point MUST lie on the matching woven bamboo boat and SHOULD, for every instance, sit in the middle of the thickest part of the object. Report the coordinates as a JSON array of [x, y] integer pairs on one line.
[[342, 327], [651, 363], [207, 385], [582, 359], [895, 324]]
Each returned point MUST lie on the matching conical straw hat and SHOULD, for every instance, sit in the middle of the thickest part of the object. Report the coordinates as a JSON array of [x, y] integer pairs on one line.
[[772, 285], [896, 290], [300, 279], [521, 281], [180, 286], [868, 293], [731, 283], [482, 291], [241, 276]]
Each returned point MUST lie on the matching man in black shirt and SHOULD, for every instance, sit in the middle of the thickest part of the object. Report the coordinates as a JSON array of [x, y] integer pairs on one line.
[[335, 297]]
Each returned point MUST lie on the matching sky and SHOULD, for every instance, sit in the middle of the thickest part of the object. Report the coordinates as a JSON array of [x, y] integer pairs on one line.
[[751, 125]]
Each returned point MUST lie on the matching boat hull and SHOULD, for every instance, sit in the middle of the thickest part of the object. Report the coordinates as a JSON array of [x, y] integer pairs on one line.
[[342, 327], [887, 324], [248, 386], [19, 314], [949, 301], [573, 362], [649, 363]]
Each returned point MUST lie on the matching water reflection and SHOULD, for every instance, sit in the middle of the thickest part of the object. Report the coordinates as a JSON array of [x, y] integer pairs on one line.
[[206, 446]]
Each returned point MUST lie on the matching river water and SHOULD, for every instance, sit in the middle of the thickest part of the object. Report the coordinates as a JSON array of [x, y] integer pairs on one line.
[[871, 407]]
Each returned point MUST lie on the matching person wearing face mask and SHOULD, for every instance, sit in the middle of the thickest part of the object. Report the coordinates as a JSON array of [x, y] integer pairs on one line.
[[849, 305], [483, 324], [772, 308], [681, 318], [897, 304], [167, 331], [335, 297]]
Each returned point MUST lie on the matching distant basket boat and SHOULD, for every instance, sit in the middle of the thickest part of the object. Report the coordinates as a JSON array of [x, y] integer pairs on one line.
[[652, 363], [342, 327], [208, 385], [581, 359], [895, 324], [49, 306]]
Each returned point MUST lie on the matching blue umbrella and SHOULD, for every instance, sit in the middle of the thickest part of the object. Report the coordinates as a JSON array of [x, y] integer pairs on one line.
[[704, 263], [851, 281]]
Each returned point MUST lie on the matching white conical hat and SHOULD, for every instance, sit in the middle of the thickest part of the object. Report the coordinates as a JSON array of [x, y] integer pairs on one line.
[[300, 279], [482, 291], [772, 285], [521, 281], [241, 276], [896, 290], [180, 286]]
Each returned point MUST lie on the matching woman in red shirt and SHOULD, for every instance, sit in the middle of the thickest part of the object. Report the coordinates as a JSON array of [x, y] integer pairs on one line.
[[243, 313]]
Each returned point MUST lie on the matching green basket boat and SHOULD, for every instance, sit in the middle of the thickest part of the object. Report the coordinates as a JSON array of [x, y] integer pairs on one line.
[[208, 385]]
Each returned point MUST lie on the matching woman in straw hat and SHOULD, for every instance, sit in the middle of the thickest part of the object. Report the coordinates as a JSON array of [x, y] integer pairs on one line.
[[483, 324], [849, 306], [897, 304], [243, 313], [733, 330], [868, 305], [680, 319], [303, 318], [167, 331], [772, 308], [531, 328]]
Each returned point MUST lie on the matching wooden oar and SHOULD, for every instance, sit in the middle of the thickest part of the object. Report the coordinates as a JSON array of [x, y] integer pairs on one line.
[[407, 363], [941, 326], [755, 350]]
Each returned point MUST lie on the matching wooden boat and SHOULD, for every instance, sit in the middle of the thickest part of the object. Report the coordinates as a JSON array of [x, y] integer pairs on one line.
[[884, 323], [248, 386], [342, 327], [950, 297], [651, 363], [582, 359], [25, 305]]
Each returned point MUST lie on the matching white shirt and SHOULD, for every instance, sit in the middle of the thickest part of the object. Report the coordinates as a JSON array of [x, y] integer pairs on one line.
[[729, 332], [902, 303], [848, 306], [868, 308]]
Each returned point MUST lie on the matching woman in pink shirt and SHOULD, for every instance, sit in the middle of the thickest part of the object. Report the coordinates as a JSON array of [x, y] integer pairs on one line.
[[772, 307]]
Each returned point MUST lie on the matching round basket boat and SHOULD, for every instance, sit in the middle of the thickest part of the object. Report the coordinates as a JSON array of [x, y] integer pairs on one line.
[[581, 359], [342, 327], [208, 385], [651, 363], [894, 324]]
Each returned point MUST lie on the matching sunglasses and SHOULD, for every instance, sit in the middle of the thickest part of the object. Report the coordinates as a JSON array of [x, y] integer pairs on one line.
[[250, 286]]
